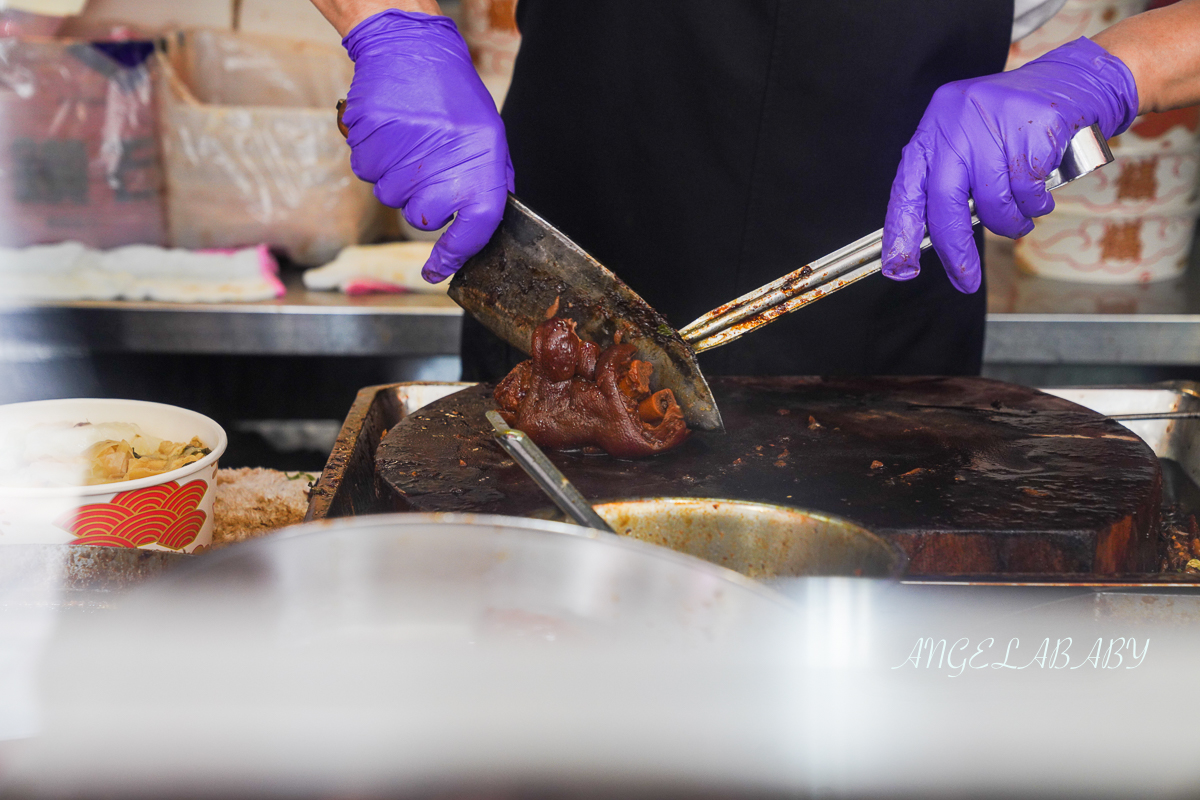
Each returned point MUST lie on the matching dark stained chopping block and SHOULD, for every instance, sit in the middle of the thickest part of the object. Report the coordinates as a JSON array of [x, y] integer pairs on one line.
[[968, 476]]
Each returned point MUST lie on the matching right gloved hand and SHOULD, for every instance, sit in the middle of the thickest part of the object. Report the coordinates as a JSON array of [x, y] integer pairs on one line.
[[426, 132], [996, 139]]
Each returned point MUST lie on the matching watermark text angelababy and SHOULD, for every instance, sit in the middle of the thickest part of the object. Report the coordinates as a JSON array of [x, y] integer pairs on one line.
[[961, 656]]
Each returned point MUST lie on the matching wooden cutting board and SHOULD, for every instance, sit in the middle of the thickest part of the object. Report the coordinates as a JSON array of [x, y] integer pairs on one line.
[[968, 476]]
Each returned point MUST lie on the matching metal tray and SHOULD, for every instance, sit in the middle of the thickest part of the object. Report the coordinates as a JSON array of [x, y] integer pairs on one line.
[[1175, 440], [348, 486]]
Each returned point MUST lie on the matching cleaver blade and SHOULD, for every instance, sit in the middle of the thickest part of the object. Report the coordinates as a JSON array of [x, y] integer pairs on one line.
[[528, 264]]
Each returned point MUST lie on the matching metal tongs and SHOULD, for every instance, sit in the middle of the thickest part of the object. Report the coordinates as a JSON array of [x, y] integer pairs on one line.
[[1086, 152]]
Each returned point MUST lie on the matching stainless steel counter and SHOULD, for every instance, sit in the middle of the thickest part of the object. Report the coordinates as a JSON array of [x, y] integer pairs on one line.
[[1038, 321], [1030, 321], [300, 323]]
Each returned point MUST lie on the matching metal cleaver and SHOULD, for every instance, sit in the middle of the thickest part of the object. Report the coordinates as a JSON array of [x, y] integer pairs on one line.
[[528, 265]]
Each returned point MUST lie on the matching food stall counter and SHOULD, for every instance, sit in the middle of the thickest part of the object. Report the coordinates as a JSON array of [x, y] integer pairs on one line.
[[302, 322]]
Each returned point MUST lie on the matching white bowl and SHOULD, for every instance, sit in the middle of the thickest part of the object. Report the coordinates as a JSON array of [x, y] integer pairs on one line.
[[1145, 184], [1108, 248], [1172, 131], [172, 511]]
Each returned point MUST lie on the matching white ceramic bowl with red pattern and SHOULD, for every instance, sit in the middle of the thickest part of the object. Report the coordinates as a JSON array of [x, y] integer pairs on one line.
[[1146, 184], [1108, 248], [170, 511], [1175, 131]]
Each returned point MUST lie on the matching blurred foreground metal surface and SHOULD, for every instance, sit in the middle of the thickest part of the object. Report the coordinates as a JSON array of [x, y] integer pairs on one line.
[[77, 575], [383, 659]]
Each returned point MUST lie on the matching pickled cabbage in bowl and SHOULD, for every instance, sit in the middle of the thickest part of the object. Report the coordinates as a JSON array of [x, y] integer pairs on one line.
[[87, 454]]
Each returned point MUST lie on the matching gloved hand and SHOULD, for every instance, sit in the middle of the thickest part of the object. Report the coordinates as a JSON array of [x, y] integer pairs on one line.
[[425, 131], [996, 138]]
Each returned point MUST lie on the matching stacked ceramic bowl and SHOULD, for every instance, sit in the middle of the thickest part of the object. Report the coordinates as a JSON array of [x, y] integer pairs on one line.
[[490, 29], [1131, 222]]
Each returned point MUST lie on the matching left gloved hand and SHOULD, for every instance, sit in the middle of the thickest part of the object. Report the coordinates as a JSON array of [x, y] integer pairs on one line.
[[996, 139], [426, 132]]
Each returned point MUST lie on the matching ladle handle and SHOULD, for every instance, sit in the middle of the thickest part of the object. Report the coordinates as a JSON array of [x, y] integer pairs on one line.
[[1155, 415], [547, 476]]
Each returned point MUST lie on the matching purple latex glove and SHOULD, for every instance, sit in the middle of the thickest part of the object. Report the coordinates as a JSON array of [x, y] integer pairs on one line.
[[425, 131], [995, 139]]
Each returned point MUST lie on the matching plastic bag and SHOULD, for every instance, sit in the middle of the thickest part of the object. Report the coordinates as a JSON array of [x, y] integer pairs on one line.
[[79, 154], [251, 146]]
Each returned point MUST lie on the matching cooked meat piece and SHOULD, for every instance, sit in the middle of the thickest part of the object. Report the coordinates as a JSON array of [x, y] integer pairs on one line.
[[569, 395]]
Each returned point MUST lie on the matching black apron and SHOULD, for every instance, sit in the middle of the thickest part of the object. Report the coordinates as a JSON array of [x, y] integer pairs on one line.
[[702, 149]]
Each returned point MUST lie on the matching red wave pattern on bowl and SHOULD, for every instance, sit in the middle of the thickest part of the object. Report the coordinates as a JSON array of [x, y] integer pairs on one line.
[[165, 514]]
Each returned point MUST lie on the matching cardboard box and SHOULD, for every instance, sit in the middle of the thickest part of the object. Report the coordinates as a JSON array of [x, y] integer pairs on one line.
[[150, 16], [290, 19], [79, 147], [251, 148]]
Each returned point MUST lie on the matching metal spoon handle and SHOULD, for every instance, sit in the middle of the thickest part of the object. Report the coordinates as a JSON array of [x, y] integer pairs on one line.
[[547, 476], [1155, 415]]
